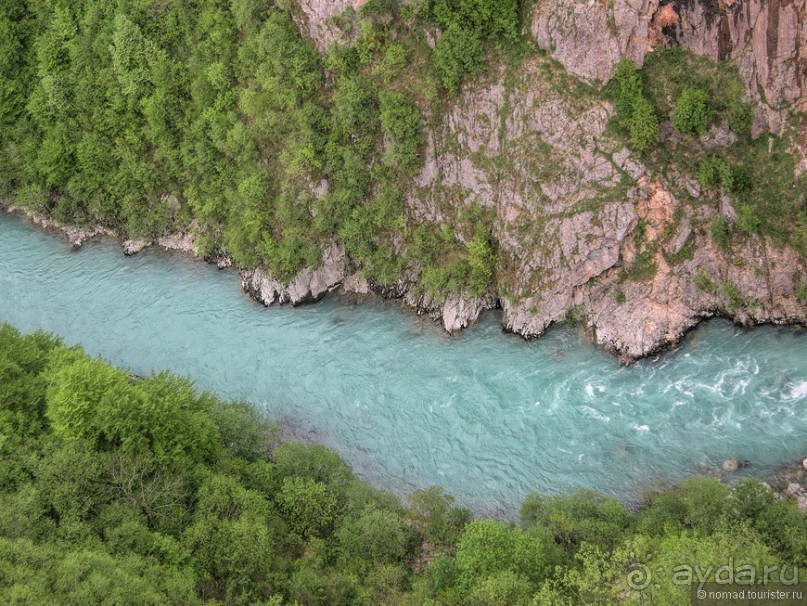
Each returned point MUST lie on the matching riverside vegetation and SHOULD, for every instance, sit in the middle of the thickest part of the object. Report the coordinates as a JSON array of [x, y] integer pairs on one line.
[[219, 116], [106, 106], [121, 490]]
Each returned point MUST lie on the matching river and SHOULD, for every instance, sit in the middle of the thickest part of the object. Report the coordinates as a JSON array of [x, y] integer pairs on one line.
[[489, 416]]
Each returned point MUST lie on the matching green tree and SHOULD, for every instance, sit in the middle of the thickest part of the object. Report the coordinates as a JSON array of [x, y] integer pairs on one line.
[[691, 114], [435, 514], [372, 538], [581, 517], [488, 18], [457, 56], [231, 542], [76, 385], [308, 506], [488, 548], [503, 589]]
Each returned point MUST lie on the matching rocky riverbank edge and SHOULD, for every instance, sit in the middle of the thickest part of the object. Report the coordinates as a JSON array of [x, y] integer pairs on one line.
[[631, 329], [786, 481], [790, 481]]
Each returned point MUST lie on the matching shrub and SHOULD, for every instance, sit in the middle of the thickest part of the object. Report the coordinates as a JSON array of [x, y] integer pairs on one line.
[[733, 295], [714, 172], [395, 58], [401, 125], [691, 114], [703, 281], [643, 124], [481, 259], [628, 87], [740, 115], [635, 113], [486, 18], [720, 231], [434, 513], [457, 56], [747, 218], [580, 517]]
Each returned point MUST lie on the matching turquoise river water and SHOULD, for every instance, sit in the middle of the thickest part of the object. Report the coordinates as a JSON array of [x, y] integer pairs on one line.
[[489, 416]]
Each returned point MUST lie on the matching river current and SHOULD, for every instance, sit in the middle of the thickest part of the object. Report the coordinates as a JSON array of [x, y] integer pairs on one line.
[[489, 416]]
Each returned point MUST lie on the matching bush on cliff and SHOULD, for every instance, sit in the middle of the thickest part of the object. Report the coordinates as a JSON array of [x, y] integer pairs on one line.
[[691, 114], [634, 111], [457, 56]]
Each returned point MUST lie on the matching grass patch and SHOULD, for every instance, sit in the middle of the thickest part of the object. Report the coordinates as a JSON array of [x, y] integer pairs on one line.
[[685, 253], [732, 293], [644, 267], [703, 282]]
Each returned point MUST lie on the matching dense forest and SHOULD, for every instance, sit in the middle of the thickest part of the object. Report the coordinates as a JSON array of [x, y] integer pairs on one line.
[[219, 117], [142, 116], [121, 490]]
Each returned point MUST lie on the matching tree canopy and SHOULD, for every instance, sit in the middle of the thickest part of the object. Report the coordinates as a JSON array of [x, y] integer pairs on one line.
[[118, 490]]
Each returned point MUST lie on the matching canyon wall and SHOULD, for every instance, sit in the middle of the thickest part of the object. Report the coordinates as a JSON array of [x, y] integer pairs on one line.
[[584, 228], [767, 39], [568, 198]]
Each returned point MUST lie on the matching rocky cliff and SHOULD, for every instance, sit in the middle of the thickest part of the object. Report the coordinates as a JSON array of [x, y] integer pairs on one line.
[[767, 39], [584, 228], [585, 231]]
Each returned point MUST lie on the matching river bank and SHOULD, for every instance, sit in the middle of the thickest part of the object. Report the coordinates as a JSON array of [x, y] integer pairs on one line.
[[458, 312], [149, 491]]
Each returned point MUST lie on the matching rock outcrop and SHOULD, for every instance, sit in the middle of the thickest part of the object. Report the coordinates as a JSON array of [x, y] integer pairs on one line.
[[789, 481], [317, 20], [76, 235], [767, 38], [309, 285], [181, 241], [590, 38], [132, 247]]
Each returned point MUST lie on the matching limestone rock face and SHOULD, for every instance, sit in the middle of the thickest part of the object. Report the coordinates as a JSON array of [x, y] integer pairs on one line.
[[317, 20], [76, 235], [590, 38], [567, 202], [309, 285], [132, 247], [658, 312], [767, 38], [181, 241]]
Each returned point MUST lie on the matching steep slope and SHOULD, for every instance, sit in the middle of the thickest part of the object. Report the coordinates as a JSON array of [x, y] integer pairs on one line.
[[585, 230], [634, 166]]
